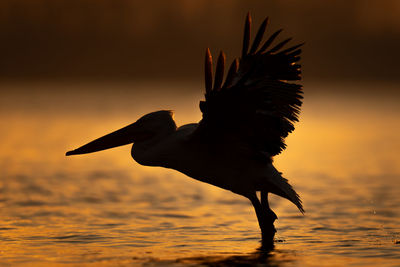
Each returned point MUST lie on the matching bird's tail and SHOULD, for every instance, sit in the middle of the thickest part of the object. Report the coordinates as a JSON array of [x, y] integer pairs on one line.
[[284, 189]]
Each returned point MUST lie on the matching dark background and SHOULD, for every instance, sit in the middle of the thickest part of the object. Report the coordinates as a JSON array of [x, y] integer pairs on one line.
[[96, 40]]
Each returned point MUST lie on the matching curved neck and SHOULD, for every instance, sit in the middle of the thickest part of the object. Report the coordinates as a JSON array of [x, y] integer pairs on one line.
[[149, 152]]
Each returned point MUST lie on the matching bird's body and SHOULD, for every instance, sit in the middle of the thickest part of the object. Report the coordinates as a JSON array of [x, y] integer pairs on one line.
[[245, 120], [220, 164], [224, 164]]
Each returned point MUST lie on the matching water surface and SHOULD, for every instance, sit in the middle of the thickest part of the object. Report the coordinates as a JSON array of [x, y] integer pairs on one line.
[[105, 209]]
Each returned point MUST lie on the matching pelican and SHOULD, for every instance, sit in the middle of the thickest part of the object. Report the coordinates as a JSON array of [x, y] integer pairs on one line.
[[245, 119]]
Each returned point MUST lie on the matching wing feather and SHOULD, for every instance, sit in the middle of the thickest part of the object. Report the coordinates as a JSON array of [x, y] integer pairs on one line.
[[259, 102], [208, 70], [219, 72], [246, 37], [279, 46], [270, 40], [233, 69], [259, 36]]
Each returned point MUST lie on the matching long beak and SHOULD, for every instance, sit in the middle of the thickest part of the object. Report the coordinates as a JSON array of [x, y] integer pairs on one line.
[[120, 137]]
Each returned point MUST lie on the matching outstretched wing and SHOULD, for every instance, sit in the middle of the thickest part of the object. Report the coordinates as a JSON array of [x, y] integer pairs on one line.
[[256, 104]]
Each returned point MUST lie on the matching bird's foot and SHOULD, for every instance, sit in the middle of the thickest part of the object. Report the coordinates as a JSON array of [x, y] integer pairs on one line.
[[267, 236]]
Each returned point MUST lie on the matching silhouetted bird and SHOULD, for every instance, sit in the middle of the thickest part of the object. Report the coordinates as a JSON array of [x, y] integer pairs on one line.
[[244, 123]]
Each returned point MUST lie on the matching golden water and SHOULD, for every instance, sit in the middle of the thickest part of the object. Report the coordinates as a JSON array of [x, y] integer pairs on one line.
[[105, 209]]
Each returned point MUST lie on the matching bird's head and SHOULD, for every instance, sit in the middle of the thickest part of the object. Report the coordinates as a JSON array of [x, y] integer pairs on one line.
[[149, 127]]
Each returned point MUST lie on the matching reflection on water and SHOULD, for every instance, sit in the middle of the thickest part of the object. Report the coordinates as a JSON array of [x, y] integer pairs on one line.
[[104, 209]]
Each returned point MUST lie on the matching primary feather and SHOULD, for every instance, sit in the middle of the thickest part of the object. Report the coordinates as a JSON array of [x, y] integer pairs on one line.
[[260, 100]]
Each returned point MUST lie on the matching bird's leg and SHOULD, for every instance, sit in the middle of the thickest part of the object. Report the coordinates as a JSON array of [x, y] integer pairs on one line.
[[265, 220], [264, 203]]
